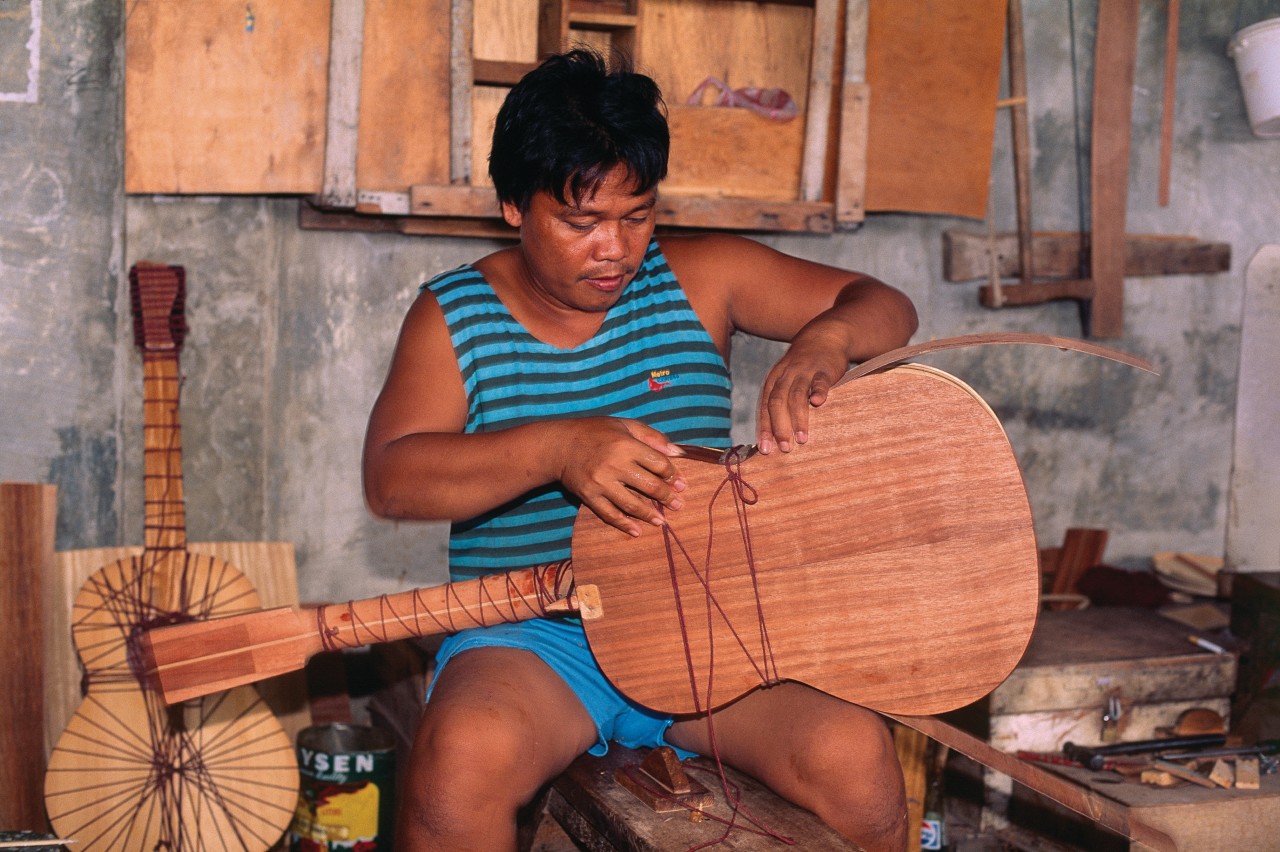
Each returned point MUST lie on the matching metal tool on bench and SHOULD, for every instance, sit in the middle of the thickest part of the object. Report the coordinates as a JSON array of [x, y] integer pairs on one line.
[[1094, 757]]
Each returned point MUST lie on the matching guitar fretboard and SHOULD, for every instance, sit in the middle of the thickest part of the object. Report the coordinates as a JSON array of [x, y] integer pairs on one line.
[[165, 513]]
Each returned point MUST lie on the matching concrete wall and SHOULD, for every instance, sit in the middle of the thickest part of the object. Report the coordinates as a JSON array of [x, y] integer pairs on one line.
[[291, 330]]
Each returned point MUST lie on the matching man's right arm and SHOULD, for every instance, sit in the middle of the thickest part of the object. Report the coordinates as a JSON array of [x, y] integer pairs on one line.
[[419, 464]]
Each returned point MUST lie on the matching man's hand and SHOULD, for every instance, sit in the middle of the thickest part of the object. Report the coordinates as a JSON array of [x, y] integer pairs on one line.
[[800, 380], [618, 468]]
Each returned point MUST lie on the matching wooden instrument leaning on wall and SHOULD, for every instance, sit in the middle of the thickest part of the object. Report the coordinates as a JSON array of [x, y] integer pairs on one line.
[[128, 771]]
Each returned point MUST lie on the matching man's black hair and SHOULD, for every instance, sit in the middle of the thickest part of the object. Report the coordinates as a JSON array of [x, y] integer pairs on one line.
[[570, 121]]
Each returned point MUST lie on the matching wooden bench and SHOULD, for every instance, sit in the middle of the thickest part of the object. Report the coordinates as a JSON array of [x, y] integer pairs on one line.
[[586, 808]]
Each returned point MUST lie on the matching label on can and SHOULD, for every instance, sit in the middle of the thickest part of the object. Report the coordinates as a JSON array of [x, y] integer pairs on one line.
[[931, 834], [345, 799]]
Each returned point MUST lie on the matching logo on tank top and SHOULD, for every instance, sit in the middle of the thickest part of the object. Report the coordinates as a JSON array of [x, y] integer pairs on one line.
[[660, 380]]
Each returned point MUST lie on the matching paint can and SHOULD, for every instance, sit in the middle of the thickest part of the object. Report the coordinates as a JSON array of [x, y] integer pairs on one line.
[[1256, 50], [346, 798]]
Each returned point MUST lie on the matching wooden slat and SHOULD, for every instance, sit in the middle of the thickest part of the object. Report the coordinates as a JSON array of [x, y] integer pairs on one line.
[[1021, 139], [855, 103], [346, 43], [1169, 100], [813, 167], [1113, 74], [672, 209], [28, 518], [1014, 295], [461, 83], [744, 214], [1057, 254]]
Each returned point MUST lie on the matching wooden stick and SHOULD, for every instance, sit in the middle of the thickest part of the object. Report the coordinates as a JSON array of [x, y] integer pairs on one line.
[[1167, 110], [1021, 137], [897, 356]]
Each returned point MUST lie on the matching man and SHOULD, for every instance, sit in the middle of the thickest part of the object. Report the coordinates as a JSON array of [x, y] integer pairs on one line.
[[561, 372]]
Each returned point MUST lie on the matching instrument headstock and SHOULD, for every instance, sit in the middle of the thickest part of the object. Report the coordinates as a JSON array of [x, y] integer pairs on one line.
[[157, 294]]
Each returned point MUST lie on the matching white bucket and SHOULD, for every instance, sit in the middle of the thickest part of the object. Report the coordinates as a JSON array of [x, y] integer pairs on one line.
[[1256, 50]]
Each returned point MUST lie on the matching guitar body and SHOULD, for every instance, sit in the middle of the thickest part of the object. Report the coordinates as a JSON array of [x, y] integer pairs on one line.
[[895, 563]]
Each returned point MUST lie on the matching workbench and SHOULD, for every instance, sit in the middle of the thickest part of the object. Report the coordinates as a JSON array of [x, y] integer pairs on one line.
[[596, 812]]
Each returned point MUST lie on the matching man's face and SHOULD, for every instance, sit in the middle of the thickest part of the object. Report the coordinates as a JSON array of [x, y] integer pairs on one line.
[[582, 255]]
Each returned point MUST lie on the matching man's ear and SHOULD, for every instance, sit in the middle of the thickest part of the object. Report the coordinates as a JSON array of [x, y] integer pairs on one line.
[[511, 213]]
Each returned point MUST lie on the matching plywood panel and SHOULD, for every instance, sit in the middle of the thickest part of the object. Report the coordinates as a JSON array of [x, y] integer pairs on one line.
[[682, 42], [717, 151], [506, 30], [224, 97], [934, 72], [404, 96]]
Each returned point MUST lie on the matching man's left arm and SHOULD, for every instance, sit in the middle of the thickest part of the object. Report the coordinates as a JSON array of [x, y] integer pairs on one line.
[[832, 318]]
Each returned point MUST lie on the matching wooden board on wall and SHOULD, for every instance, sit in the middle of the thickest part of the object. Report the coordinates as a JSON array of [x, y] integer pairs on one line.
[[934, 72], [404, 96], [717, 151], [726, 152], [225, 97]]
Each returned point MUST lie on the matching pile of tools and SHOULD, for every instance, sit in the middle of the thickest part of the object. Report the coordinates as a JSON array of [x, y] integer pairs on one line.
[[1209, 760]]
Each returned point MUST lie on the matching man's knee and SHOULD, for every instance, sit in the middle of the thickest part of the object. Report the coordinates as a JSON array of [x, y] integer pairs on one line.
[[849, 766]]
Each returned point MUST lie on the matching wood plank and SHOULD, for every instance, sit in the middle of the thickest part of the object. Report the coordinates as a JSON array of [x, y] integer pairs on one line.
[[934, 72], [721, 152], [593, 807], [744, 214], [28, 521], [342, 124], [817, 133], [462, 80], [224, 98], [966, 255], [1013, 295], [755, 44], [912, 746], [1115, 60], [479, 202], [1195, 817], [855, 104], [1253, 536], [404, 96], [1021, 138]]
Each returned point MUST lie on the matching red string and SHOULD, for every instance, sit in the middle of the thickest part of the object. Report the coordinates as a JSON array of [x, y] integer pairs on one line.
[[744, 495]]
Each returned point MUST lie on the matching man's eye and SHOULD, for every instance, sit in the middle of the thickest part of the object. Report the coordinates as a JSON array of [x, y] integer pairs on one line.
[[581, 226]]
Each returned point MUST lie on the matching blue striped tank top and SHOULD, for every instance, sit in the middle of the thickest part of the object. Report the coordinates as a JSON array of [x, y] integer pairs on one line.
[[651, 361]]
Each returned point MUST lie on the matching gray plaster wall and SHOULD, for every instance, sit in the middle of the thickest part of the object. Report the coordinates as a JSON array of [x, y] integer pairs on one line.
[[292, 330]]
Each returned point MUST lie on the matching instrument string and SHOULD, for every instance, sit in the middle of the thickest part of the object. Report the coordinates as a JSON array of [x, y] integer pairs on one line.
[[744, 495], [497, 599]]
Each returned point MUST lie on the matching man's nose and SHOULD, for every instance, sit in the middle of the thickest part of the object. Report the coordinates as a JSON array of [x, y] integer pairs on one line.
[[610, 243]]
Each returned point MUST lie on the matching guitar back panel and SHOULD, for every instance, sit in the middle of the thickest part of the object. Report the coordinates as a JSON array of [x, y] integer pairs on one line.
[[895, 563]]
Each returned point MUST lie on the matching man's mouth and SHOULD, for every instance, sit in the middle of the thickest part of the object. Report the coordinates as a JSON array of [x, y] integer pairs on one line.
[[607, 281]]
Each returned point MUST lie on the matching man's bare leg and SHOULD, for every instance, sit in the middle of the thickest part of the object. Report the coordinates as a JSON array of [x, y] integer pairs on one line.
[[499, 725], [831, 757]]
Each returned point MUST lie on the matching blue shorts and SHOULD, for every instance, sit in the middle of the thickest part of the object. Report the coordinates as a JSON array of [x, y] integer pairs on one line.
[[562, 645]]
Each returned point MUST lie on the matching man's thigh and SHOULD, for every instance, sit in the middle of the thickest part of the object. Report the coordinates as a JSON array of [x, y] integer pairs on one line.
[[516, 704], [766, 733]]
